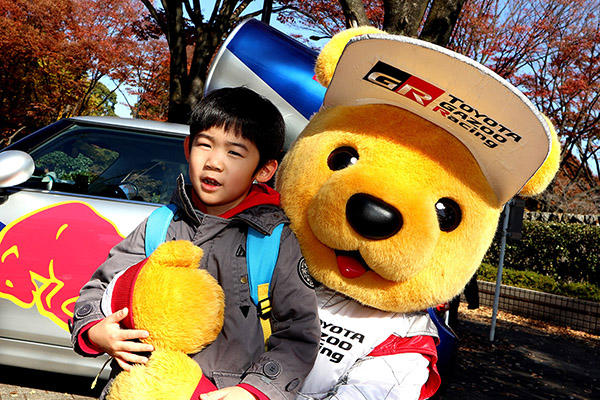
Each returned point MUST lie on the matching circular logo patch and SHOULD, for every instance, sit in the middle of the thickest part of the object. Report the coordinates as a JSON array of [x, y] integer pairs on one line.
[[304, 274]]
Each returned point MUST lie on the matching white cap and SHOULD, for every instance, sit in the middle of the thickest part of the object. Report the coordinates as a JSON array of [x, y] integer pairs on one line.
[[506, 134]]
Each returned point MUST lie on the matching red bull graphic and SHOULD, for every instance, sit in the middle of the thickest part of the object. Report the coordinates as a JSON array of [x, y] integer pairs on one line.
[[49, 254]]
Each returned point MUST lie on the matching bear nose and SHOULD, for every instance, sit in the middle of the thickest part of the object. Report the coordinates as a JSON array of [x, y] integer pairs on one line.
[[371, 217]]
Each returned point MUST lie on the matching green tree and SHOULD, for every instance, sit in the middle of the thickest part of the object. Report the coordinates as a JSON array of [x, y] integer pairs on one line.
[[102, 101]]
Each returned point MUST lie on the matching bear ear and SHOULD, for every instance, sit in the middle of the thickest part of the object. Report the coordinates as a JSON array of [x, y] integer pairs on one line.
[[176, 253], [543, 176], [327, 60]]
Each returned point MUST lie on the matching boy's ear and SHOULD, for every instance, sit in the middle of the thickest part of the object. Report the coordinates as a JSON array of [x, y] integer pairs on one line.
[[186, 148], [266, 172]]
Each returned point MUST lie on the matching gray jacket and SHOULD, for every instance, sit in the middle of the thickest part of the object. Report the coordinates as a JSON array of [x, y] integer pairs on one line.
[[238, 354]]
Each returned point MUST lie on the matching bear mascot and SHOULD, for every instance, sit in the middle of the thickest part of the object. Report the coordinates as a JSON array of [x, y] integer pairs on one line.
[[179, 324], [394, 190]]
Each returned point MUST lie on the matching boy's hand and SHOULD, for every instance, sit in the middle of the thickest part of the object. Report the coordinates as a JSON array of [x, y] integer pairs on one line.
[[112, 339], [228, 393]]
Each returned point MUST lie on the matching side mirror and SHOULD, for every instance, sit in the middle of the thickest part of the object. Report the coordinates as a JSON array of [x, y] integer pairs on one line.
[[15, 167]]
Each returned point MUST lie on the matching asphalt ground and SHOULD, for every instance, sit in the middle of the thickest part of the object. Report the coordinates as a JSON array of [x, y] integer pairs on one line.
[[26, 384], [528, 360]]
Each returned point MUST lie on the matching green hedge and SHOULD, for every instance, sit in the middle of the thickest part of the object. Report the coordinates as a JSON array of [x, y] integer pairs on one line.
[[534, 281], [569, 253]]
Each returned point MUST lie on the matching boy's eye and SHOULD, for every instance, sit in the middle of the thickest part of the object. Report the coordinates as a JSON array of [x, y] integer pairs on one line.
[[341, 158], [235, 153]]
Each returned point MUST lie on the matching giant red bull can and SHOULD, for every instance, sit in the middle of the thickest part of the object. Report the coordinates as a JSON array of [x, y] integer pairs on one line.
[[273, 64], [48, 255]]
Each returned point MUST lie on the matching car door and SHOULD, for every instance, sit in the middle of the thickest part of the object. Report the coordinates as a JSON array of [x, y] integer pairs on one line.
[[93, 183]]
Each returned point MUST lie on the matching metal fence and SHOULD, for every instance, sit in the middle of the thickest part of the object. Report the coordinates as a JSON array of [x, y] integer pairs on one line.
[[562, 218], [560, 310]]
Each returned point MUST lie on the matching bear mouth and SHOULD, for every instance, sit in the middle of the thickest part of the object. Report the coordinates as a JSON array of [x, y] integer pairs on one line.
[[351, 264]]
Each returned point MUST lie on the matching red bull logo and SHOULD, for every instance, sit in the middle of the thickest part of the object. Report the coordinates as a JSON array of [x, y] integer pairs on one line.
[[49, 254]]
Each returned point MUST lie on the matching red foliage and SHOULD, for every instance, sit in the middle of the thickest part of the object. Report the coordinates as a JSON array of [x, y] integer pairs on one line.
[[551, 51], [33, 51], [53, 53], [150, 80]]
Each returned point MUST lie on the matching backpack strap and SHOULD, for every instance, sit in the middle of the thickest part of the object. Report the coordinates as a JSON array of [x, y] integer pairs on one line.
[[261, 257], [156, 227]]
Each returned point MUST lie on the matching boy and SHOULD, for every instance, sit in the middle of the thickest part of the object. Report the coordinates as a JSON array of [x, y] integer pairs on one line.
[[235, 138]]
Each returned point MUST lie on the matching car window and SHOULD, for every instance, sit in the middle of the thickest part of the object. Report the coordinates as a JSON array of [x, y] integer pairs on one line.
[[111, 163]]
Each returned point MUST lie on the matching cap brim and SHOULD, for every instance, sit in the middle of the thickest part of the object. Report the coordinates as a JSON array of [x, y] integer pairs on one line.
[[506, 134]]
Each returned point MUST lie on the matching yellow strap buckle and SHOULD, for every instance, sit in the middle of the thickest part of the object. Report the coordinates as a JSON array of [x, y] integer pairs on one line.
[[264, 310]]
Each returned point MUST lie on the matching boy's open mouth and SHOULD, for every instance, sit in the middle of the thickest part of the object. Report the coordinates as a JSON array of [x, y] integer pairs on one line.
[[210, 182], [351, 264]]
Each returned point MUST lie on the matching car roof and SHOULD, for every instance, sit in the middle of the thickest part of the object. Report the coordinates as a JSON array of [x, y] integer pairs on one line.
[[137, 124]]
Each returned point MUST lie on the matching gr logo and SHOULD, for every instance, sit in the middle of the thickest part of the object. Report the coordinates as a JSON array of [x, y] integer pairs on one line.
[[404, 84]]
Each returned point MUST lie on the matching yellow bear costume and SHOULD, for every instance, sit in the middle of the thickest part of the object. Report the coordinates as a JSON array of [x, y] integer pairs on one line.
[[178, 323], [394, 190]]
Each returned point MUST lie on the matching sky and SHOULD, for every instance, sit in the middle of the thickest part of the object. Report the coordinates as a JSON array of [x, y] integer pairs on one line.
[[122, 110]]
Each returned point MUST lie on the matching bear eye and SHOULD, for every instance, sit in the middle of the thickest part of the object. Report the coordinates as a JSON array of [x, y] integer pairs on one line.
[[448, 214], [341, 158]]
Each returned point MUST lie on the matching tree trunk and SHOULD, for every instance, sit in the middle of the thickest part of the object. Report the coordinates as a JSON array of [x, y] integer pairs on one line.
[[178, 84], [205, 47], [403, 17], [354, 11], [186, 87], [441, 20]]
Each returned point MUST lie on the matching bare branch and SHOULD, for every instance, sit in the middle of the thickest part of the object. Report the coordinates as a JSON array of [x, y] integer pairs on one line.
[[259, 12], [156, 17], [235, 16], [215, 13], [8, 140], [195, 13]]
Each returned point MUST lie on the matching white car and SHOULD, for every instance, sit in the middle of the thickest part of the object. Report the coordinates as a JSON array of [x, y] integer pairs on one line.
[[68, 193]]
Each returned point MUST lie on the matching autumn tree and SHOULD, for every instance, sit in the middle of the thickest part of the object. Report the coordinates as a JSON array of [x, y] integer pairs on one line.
[[105, 31], [53, 54], [193, 33], [34, 76], [551, 51], [149, 81]]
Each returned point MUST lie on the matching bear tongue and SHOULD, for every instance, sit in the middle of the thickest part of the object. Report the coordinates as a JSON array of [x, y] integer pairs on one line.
[[349, 266]]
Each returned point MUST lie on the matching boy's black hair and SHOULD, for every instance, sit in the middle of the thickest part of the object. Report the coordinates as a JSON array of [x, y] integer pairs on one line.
[[246, 112]]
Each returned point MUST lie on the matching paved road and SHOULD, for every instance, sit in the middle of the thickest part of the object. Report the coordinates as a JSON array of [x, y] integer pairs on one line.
[[25, 384], [525, 362]]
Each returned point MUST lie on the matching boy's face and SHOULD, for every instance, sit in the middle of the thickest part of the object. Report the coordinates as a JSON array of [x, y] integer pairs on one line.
[[222, 168]]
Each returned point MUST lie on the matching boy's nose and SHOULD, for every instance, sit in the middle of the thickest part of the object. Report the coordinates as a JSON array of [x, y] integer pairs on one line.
[[213, 163], [213, 167]]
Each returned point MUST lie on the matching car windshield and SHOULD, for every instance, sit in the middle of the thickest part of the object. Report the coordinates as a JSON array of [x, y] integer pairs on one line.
[[111, 163]]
